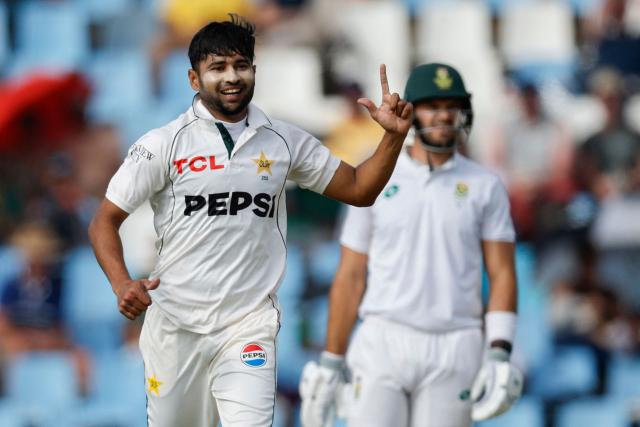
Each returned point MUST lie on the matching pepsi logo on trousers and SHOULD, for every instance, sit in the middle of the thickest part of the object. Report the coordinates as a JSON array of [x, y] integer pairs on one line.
[[253, 355]]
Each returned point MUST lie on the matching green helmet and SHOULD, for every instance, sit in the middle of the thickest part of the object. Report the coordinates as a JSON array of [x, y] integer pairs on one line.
[[438, 81], [435, 80]]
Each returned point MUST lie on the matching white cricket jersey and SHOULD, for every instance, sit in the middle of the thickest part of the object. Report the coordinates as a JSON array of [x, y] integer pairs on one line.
[[220, 217], [423, 239]]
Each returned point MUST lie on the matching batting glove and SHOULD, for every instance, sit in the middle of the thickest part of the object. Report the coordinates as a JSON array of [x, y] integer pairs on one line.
[[497, 387], [320, 388]]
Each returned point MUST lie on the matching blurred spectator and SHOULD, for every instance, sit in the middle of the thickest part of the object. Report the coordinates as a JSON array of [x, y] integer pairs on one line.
[[181, 19], [356, 137], [59, 186], [184, 18], [615, 42], [30, 305], [584, 312], [534, 154], [605, 160], [96, 154], [616, 226], [606, 21], [39, 115], [59, 199], [279, 22], [616, 233], [352, 140]]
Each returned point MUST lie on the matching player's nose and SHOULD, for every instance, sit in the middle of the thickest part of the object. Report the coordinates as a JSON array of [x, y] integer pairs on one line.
[[445, 116], [231, 76]]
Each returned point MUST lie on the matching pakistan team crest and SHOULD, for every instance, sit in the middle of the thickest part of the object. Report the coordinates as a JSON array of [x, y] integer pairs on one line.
[[154, 385], [263, 163]]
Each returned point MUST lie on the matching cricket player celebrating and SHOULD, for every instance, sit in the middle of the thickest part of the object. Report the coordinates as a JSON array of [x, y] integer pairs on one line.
[[411, 268], [215, 179]]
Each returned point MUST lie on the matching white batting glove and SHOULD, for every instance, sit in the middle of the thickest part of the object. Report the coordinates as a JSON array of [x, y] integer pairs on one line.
[[320, 387], [344, 400], [497, 387]]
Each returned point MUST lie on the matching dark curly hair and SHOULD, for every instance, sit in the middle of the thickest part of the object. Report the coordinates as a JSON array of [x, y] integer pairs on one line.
[[227, 38]]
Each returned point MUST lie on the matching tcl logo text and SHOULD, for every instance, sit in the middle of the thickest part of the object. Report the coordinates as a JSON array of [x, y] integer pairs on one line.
[[197, 164]]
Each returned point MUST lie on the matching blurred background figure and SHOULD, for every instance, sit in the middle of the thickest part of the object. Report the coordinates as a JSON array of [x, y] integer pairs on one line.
[[181, 19], [535, 157], [606, 159], [584, 312], [31, 314], [612, 33], [356, 137]]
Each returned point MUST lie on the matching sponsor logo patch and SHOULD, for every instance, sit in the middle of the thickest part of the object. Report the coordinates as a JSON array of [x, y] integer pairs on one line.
[[253, 355], [197, 164], [137, 152], [391, 191], [230, 203]]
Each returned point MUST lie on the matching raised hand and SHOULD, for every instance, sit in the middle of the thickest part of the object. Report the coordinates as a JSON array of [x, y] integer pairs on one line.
[[393, 114], [133, 296]]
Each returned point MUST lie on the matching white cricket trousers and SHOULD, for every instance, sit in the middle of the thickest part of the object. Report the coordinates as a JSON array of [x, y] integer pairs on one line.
[[403, 377], [196, 380]]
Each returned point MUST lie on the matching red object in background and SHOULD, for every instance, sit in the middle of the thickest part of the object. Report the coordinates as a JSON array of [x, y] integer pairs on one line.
[[41, 110]]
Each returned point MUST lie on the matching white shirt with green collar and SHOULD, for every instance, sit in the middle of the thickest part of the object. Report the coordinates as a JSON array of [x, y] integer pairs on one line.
[[423, 240], [219, 210]]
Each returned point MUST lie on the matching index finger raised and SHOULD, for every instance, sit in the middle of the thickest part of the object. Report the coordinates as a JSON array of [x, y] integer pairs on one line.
[[384, 82]]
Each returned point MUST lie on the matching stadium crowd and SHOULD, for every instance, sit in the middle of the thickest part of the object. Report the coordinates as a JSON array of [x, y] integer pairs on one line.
[[556, 95]]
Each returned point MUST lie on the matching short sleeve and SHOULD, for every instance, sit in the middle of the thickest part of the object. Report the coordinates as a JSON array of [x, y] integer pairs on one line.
[[313, 165], [142, 174], [496, 221], [357, 229]]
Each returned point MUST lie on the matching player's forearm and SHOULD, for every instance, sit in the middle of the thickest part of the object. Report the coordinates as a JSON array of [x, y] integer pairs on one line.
[[344, 301], [107, 246], [360, 186], [499, 259], [372, 175], [503, 294]]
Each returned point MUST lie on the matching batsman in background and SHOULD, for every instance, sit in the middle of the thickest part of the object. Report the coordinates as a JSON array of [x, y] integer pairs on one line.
[[215, 178], [411, 269]]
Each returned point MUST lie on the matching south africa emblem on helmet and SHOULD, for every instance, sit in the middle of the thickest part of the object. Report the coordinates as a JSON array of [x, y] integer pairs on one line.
[[462, 189], [443, 80]]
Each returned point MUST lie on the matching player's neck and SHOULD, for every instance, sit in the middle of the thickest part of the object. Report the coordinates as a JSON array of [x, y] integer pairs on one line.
[[234, 118], [421, 155]]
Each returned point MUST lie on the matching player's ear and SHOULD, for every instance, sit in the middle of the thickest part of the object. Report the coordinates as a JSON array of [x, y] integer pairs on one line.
[[193, 80]]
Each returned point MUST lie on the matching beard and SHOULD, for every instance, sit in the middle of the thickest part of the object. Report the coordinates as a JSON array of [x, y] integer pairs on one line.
[[439, 144], [426, 134], [214, 102]]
